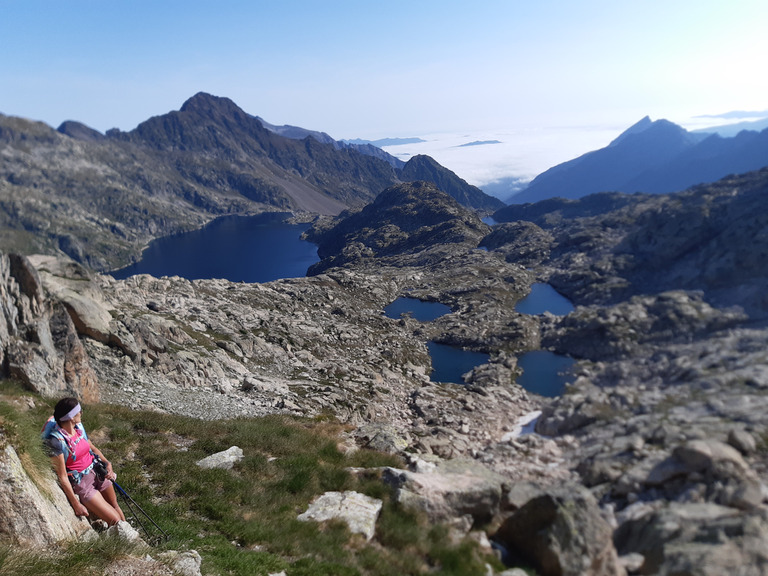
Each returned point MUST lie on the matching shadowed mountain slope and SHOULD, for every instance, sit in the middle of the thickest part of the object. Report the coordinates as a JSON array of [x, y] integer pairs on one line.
[[209, 131], [653, 157]]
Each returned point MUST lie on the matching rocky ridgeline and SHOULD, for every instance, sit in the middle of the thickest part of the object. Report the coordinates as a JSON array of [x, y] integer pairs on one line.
[[609, 247], [652, 462]]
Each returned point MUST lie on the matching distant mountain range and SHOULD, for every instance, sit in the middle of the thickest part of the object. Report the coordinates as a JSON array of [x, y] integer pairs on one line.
[[385, 141], [365, 147], [654, 157], [101, 197], [730, 130], [479, 143]]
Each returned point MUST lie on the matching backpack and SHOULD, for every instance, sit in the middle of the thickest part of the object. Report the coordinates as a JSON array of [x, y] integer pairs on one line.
[[53, 438]]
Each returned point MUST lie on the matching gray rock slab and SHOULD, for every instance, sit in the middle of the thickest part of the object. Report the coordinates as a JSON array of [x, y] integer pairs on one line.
[[359, 511], [224, 460]]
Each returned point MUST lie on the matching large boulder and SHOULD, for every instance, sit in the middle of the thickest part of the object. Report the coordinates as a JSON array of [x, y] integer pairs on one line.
[[449, 490], [561, 532], [183, 563], [382, 438], [73, 286]]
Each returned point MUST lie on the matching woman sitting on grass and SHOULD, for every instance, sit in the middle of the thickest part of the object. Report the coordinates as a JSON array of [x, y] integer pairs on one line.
[[73, 458]]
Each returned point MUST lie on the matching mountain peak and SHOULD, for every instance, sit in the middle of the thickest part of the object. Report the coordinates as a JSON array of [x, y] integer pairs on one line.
[[205, 103], [640, 125], [79, 131], [422, 167], [636, 128]]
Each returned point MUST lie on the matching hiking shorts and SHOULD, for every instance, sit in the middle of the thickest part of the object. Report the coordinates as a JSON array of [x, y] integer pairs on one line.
[[89, 485]]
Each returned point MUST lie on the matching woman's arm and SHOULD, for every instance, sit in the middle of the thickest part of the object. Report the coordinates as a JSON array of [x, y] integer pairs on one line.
[[61, 472], [110, 473]]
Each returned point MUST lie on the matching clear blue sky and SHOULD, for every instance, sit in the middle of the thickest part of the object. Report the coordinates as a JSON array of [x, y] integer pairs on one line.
[[385, 68]]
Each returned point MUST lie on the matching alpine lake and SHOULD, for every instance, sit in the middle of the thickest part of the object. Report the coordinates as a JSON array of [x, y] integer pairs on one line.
[[544, 372], [238, 248]]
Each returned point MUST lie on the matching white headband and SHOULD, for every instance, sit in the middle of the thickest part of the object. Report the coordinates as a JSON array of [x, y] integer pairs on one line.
[[71, 414]]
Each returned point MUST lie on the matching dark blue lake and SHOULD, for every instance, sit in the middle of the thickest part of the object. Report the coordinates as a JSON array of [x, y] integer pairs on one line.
[[238, 248], [418, 309], [544, 298], [544, 373], [449, 362]]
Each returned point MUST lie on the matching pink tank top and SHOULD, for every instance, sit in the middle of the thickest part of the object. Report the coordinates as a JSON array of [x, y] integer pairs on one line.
[[79, 444]]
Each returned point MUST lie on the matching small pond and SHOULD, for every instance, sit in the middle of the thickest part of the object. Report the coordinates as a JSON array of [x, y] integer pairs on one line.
[[449, 362], [544, 373], [418, 309], [544, 298], [238, 248]]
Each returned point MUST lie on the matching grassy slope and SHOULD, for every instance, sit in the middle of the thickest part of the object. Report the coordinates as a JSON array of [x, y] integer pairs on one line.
[[243, 521]]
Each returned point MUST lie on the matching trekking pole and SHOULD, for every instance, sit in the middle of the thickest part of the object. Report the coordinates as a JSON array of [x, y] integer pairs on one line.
[[136, 517], [130, 501]]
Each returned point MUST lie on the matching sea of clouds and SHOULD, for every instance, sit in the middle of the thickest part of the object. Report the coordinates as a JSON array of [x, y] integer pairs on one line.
[[501, 162], [489, 159]]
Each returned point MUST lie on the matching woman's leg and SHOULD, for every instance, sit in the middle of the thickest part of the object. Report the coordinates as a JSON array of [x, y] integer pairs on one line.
[[102, 509], [111, 498]]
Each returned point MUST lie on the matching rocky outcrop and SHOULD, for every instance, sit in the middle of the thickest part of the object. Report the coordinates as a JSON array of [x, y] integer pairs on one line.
[[71, 285], [637, 325], [404, 219], [696, 538], [520, 242], [40, 346], [34, 515]]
